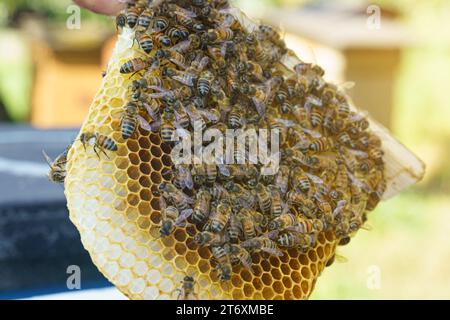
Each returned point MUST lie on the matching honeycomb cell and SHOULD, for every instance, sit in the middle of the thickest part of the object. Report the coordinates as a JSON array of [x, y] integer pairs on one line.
[[268, 293], [267, 279]]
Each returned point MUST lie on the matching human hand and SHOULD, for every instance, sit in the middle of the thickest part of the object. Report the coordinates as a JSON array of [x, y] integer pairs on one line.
[[107, 7]]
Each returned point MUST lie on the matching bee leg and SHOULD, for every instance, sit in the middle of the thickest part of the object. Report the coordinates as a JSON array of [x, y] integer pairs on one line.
[[104, 152], [134, 73], [96, 152]]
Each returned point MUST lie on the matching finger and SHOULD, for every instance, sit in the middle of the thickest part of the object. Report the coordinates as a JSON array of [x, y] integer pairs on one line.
[[107, 7]]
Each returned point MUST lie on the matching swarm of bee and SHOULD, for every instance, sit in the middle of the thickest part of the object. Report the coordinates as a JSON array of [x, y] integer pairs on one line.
[[200, 67]]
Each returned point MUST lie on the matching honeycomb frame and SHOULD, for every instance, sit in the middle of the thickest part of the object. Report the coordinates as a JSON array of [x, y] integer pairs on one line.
[[111, 203]]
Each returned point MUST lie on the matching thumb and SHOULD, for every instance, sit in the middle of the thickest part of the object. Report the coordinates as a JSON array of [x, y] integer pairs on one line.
[[107, 7]]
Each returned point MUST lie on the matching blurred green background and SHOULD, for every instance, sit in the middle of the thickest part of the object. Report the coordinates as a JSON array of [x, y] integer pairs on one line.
[[407, 251]]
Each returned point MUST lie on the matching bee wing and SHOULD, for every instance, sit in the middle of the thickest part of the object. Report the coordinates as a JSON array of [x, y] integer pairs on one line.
[[347, 85], [156, 88], [144, 124], [188, 182], [314, 178], [203, 63], [260, 106], [211, 116], [245, 263], [153, 67], [184, 215], [272, 234], [359, 183], [297, 229], [313, 133], [178, 63], [182, 46], [340, 259], [188, 81], [185, 12], [159, 95], [273, 251], [287, 123], [359, 154], [358, 116], [47, 158], [314, 101], [224, 170], [339, 207]]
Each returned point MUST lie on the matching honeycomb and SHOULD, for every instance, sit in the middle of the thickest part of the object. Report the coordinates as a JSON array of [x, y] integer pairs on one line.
[[113, 202]]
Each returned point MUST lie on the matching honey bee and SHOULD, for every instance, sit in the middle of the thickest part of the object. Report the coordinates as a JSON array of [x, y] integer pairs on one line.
[[234, 228], [356, 193], [223, 262], [321, 145], [218, 57], [276, 206], [121, 21], [282, 179], [297, 240], [263, 197], [323, 205], [219, 97], [57, 171], [184, 77], [241, 255], [269, 33], [209, 238], [262, 243], [219, 35], [176, 197], [193, 42], [98, 142], [298, 156], [205, 173], [183, 177], [187, 289], [129, 120], [201, 206], [173, 56], [298, 179], [345, 140], [248, 224], [316, 117], [172, 218], [236, 117], [162, 40], [341, 177], [177, 33], [366, 165], [168, 126], [132, 16], [343, 110], [136, 65], [145, 41], [344, 241], [253, 68], [218, 192], [144, 20], [221, 217], [376, 154], [282, 222], [204, 83], [307, 226], [161, 24], [171, 97]]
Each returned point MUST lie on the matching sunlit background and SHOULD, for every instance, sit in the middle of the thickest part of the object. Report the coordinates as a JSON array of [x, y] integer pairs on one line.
[[50, 73]]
